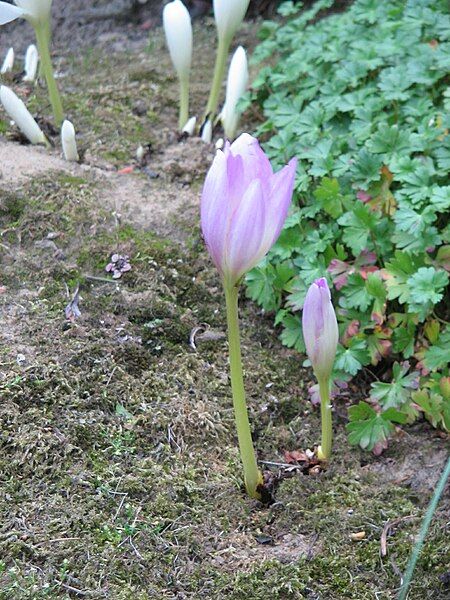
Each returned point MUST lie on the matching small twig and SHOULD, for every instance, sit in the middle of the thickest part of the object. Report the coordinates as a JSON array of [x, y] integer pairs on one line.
[[138, 554], [194, 332], [277, 464], [72, 589], [111, 376], [387, 527], [171, 438], [120, 507], [69, 539], [101, 279], [138, 510]]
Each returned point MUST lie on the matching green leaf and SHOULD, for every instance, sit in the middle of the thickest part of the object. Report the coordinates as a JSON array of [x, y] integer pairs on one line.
[[368, 428], [438, 355], [366, 168], [321, 157], [403, 338], [399, 270], [355, 293], [426, 288], [440, 198], [412, 221], [260, 287], [352, 359], [329, 196], [291, 336], [431, 405], [394, 82], [297, 289], [390, 140], [357, 228], [398, 392], [121, 411]]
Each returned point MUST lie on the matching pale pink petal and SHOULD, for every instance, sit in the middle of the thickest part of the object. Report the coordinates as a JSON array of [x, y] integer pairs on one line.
[[246, 229], [215, 210], [256, 163], [320, 329]]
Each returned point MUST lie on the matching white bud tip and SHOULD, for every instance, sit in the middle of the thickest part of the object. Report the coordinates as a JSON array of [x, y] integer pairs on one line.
[[207, 132], [8, 63], [20, 114], [189, 128], [31, 63], [219, 144], [140, 152], [69, 142]]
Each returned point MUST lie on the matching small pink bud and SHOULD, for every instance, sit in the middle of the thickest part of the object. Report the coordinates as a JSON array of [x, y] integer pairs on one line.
[[320, 328]]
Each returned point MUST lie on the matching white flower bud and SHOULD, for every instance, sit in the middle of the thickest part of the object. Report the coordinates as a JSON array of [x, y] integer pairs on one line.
[[8, 63], [20, 114], [178, 30], [236, 86], [31, 63], [189, 128], [69, 142], [207, 132], [229, 14]]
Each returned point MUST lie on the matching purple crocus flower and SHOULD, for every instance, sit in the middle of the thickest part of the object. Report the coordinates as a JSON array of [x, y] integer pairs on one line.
[[320, 329], [244, 206]]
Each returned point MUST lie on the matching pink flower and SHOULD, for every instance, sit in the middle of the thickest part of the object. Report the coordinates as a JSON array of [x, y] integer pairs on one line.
[[320, 328], [244, 206]]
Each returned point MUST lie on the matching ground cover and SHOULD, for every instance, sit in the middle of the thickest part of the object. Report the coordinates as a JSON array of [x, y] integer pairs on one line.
[[120, 476]]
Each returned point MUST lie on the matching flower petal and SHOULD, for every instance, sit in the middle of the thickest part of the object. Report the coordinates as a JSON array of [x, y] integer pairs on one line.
[[215, 208], [245, 232], [9, 13], [256, 164], [320, 329], [279, 200]]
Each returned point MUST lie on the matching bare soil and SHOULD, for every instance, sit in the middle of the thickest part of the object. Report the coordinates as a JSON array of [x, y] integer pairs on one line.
[[119, 472]]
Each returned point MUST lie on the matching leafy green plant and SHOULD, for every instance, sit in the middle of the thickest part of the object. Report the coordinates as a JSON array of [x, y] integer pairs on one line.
[[362, 98]]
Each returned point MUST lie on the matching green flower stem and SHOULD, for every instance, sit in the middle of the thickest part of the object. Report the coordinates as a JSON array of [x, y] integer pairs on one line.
[[252, 475], [219, 70], [324, 451], [184, 102], [423, 531], [42, 37]]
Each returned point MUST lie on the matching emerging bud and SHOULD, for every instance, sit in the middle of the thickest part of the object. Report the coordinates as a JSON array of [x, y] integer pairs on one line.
[[229, 14], [244, 206], [140, 153], [236, 86], [69, 142], [178, 30], [31, 63], [320, 329], [8, 63], [189, 128], [20, 114], [207, 132]]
